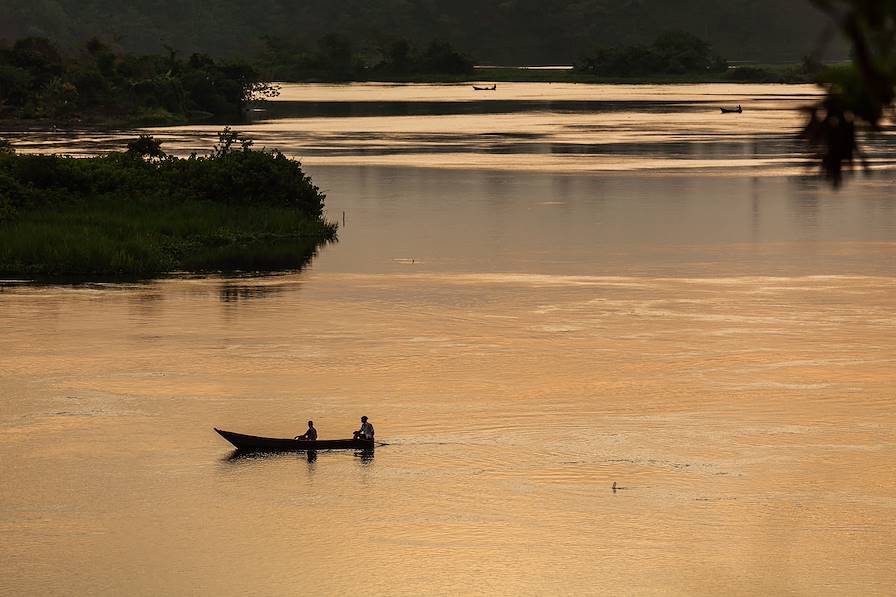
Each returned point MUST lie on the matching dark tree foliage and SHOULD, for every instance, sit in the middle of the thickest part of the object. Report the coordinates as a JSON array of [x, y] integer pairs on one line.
[[858, 96], [9, 189], [671, 53], [38, 81], [400, 58], [505, 32], [233, 174], [146, 146], [439, 57], [336, 58], [141, 212]]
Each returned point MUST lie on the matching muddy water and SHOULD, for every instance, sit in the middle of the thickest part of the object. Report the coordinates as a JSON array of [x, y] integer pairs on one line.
[[718, 340]]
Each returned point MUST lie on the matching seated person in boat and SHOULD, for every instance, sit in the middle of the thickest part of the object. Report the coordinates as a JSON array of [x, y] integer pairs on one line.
[[366, 430], [309, 435]]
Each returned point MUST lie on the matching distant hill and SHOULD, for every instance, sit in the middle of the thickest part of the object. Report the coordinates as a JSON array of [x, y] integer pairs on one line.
[[491, 31]]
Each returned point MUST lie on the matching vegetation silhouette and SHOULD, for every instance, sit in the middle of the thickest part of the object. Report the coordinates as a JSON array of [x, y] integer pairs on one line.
[[101, 82], [337, 58], [507, 32], [858, 96], [672, 52], [141, 213]]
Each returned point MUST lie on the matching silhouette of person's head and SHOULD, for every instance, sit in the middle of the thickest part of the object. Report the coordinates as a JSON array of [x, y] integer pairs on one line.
[[311, 423], [363, 419]]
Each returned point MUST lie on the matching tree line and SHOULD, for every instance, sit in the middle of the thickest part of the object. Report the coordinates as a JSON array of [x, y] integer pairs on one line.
[[337, 58], [100, 81], [38, 80], [675, 53], [672, 52], [506, 32]]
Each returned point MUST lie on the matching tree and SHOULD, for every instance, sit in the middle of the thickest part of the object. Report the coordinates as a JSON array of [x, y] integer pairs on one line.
[[441, 57], [672, 52], [858, 96], [336, 56], [397, 57]]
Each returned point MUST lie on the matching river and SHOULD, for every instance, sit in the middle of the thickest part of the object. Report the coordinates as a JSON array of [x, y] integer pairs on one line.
[[538, 292]]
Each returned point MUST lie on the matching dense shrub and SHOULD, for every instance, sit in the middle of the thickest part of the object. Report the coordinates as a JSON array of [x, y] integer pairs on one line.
[[672, 53], [233, 174], [337, 58], [38, 81], [141, 212]]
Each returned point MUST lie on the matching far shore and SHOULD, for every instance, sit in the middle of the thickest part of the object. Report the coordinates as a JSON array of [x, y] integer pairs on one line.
[[753, 73], [780, 74]]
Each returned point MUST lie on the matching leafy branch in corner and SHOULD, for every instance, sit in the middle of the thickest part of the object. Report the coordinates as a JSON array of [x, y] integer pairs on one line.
[[858, 96]]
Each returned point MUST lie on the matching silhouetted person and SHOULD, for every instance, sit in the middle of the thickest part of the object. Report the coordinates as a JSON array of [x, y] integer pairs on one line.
[[309, 435], [366, 430]]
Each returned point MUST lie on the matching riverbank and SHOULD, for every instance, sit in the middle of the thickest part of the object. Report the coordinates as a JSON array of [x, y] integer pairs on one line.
[[140, 213], [101, 237], [760, 73]]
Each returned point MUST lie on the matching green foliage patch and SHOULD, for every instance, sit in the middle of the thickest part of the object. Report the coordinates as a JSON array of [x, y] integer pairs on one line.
[[339, 58], [673, 52], [142, 213], [38, 80]]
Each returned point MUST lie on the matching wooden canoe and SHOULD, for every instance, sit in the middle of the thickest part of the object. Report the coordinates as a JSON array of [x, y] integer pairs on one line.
[[253, 443]]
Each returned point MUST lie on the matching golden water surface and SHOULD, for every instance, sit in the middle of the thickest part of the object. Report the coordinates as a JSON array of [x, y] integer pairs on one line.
[[531, 301]]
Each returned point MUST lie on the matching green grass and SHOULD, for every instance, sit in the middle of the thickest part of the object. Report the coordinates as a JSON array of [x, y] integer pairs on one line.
[[103, 237]]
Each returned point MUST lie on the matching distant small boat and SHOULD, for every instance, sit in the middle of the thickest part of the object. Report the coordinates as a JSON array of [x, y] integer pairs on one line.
[[253, 443], [737, 110], [485, 88]]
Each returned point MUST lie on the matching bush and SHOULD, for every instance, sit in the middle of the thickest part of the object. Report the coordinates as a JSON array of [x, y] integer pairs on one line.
[[671, 53], [241, 176], [752, 74], [36, 80], [141, 212]]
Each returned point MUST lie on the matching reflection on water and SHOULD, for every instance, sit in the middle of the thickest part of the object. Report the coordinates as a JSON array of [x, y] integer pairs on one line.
[[232, 293], [240, 455], [365, 456], [522, 126], [719, 347]]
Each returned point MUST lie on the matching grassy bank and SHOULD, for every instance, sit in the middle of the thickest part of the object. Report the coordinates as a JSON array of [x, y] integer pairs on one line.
[[133, 215], [104, 237]]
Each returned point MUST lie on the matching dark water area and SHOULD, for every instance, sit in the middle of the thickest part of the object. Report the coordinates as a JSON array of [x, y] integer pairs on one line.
[[342, 109]]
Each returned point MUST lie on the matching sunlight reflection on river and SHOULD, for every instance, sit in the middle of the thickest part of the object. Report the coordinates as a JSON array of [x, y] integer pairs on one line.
[[721, 346]]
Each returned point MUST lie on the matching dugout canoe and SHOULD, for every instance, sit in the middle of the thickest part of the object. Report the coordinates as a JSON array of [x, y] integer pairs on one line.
[[254, 443]]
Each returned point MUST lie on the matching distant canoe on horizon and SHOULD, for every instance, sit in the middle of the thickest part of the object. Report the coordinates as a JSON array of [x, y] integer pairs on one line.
[[485, 87]]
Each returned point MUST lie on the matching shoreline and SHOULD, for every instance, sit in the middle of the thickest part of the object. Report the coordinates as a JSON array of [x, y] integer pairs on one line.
[[498, 75]]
